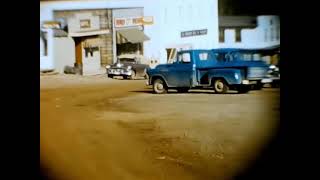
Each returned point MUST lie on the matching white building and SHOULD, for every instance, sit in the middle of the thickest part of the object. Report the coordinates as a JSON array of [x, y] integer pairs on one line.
[[249, 32], [154, 28]]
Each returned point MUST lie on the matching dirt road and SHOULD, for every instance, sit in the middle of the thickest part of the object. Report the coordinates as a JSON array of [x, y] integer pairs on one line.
[[94, 128]]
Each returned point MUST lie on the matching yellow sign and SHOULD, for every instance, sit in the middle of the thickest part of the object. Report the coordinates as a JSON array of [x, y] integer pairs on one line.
[[133, 21], [51, 25], [148, 20]]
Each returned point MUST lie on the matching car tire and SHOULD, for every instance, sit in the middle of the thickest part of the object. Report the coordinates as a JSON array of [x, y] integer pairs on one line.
[[159, 87], [257, 86], [146, 76], [133, 75], [243, 89], [125, 77], [220, 86], [110, 76], [182, 90]]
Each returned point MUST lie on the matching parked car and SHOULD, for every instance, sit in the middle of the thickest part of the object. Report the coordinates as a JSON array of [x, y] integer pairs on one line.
[[274, 75], [129, 66], [202, 69]]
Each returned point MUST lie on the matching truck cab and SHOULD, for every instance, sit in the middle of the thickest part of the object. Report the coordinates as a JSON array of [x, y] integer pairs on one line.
[[197, 69]]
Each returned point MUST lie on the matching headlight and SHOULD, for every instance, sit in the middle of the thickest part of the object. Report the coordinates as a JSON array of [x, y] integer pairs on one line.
[[236, 76], [129, 67], [272, 67], [108, 66]]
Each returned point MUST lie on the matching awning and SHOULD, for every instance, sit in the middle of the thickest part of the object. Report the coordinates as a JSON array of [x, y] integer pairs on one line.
[[59, 33], [89, 33], [131, 35]]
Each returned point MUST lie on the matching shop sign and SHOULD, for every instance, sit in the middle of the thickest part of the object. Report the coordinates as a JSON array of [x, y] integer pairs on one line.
[[133, 21], [51, 25], [194, 33], [148, 20]]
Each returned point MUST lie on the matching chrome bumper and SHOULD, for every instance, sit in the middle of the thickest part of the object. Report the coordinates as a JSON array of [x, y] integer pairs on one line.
[[117, 72], [250, 82]]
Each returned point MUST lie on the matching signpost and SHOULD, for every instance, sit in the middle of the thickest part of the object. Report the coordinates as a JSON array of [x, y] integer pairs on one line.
[[194, 33]]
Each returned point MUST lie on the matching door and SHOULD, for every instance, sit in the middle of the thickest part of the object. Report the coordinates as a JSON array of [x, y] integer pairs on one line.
[[91, 57], [91, 60], [78, 44], [180, 73]]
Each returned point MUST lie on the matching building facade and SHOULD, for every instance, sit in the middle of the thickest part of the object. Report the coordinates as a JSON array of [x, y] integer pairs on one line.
[[249, 32], [99, 31]]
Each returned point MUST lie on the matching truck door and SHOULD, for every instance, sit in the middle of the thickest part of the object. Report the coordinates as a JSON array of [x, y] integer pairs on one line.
[[180, 73]]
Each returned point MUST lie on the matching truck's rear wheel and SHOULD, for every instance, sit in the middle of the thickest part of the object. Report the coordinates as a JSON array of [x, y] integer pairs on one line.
[[220, 86], [159, 86]]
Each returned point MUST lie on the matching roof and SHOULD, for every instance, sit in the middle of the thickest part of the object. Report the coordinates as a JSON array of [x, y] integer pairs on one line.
[[271, 48], [238, 21]]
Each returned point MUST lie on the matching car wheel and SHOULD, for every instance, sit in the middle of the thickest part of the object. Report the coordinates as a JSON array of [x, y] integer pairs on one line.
[[159, 86], [220, 86], [257, 86], [182, 90], [110, 76], [125, 77], [133, 75], [243, 89], [146, 76]]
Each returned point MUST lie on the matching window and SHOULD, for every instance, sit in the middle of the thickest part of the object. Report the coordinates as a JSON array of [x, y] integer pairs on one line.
[[203, 56], [184, 58], [272, 33], [43, 43], [220, 57], [84, 23], [257, 57], [165, 16], [190, 13], [265, 35], [238, 35], [221, 35]]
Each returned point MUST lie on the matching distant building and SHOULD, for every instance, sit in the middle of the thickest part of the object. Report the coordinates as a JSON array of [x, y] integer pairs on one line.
[[249, 32]]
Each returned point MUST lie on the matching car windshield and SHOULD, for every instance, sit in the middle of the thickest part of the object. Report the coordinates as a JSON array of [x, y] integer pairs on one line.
[[127, 60]]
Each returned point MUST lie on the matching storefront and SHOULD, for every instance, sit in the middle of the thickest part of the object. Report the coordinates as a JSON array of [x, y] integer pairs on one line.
[[103, 30]]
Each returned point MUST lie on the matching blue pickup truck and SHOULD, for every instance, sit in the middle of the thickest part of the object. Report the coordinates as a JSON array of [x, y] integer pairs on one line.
[[218, 69]]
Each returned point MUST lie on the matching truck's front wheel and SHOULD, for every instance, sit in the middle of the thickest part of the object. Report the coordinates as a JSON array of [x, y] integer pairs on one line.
[[159, 86], [220, 86]]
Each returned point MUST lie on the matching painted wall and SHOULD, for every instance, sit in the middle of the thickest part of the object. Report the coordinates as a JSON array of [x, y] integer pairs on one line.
[[64, 53], [266, 34], [173, 17]]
